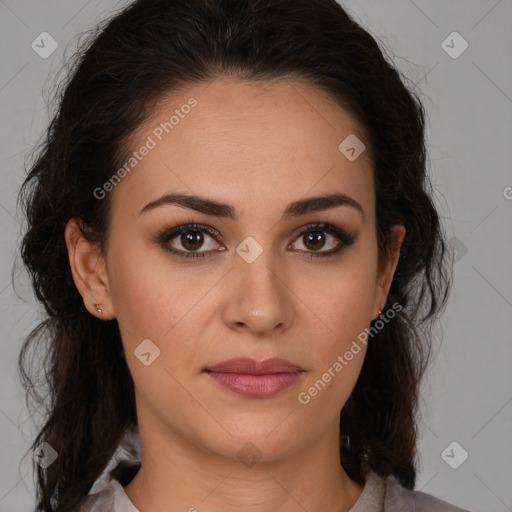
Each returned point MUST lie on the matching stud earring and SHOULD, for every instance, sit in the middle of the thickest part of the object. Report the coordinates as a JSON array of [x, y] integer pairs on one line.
[[98, 308]]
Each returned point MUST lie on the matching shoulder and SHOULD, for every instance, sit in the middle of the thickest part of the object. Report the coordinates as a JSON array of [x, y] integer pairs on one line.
[[398, 498], [102, 501], [111, 498]]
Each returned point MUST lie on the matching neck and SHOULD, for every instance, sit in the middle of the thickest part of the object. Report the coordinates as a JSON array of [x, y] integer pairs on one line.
[[178, 475]]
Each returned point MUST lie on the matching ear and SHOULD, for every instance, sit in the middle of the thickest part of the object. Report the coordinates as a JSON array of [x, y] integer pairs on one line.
[[386, 269], [89, 271]]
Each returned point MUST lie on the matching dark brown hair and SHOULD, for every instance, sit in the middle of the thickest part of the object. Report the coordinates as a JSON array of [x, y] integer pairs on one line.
[[145, 51]]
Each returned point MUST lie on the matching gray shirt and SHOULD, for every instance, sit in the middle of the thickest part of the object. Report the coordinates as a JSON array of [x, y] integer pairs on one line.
[[379, 495]]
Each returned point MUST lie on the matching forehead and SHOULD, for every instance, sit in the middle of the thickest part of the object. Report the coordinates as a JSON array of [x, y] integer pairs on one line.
[[263, 141]]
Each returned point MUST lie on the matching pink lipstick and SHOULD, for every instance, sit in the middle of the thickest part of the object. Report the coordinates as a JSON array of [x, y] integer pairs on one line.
[[255, 379]]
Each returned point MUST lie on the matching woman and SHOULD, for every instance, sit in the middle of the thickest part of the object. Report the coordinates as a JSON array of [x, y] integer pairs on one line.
[[231, 228]]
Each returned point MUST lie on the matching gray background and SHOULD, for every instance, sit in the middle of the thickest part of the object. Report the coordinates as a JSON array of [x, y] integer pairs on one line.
[[467, 396]]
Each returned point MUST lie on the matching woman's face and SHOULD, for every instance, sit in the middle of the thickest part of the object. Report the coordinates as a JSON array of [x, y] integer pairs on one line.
[[257, 285]]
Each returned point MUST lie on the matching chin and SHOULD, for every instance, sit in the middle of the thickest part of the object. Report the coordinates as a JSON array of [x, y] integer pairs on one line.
[[250, 445]]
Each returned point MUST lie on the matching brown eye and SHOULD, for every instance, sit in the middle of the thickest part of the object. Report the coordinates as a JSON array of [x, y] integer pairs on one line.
[[314, 240], [192, 240], [316, 237], [187, 240]]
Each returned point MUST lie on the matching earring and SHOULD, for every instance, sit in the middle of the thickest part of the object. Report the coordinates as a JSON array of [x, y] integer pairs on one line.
[[98, 308]]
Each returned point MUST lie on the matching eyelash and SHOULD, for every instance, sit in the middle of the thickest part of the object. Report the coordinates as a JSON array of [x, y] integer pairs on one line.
[[345, 239]]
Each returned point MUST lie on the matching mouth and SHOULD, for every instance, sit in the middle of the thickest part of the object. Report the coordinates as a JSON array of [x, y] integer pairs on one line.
[[255, 379]]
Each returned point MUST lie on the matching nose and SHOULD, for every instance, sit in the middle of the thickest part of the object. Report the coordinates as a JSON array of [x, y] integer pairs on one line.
[[258, 297]]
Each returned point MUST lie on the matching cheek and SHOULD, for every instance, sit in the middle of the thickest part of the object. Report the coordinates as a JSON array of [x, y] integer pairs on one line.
[[337, 354], [342, 302], [342, 296], [141, 293], [158, 301], [152, 303]]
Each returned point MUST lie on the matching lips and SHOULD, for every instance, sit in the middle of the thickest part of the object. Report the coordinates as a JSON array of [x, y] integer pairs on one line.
[[253, 367], [256, 379]]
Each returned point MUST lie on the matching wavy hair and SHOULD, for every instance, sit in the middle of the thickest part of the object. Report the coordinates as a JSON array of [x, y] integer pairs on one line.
[[126, 64]]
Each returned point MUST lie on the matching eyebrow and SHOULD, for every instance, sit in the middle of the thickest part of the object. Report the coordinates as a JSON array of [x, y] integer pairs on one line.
[[223, 210]]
